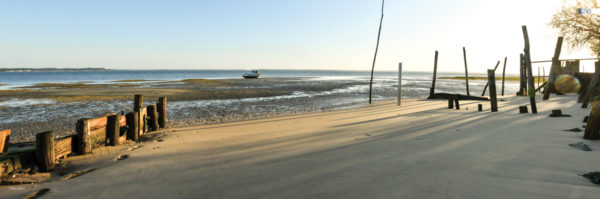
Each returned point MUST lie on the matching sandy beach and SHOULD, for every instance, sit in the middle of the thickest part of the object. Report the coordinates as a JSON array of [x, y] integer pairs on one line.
[[418, 150]]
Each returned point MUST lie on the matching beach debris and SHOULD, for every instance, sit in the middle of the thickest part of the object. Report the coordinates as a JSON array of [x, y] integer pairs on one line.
[[78, 173], [134, 147], [420, 138], [574, 130], [23, 178], [37, 194], [523, 109], [558, 113], [156, 147], [594, 177], [585, 119], [121, 157], [160, 140], [581, 145]]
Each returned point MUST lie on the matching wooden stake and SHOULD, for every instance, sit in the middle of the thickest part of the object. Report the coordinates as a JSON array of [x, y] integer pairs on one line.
[[492, 83], [488, 83], [527, 58], [593, 124], [466, 71], [83, 137], [162, 112], [522, 76], [44, 150], [138, 102], [554, 69], [450, 101], [153, 118], [503, 74], [399, 83], [432, 90], [112, 129], [456, 103], [132, 123], [591, 90], [538, 78], [4, 140], [376, 48]]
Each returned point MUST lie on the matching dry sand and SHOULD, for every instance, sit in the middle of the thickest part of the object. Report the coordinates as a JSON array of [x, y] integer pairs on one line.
[[418, 150]]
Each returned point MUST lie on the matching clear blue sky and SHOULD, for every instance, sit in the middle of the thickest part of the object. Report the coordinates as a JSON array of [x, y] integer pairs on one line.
[[278, 34]]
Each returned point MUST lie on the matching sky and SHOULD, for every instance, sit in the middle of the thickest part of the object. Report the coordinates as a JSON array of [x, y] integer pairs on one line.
[[275, 34]]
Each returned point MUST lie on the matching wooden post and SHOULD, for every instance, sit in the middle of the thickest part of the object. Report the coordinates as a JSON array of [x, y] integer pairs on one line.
[[162, 112], [592, 87], [4, 140], [522, 76], [112, 129], [488, 83], [466, 71], [138, 101], [527, 58], [83, 137], [593, 124], [132, 123], [543, 77], [456, 102], [153, 118], [480, 107], [492, 83], [554, 69], [432, 90], [450, 101], [503, 74], [538, 78], [44, 150]]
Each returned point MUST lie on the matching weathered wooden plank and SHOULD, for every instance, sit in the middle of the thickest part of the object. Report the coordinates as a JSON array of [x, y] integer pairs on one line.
[[44, 150], [4, 140], [63, 147]]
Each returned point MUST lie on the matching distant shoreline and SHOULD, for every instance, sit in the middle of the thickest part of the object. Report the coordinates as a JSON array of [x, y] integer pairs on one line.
[[51, 69]]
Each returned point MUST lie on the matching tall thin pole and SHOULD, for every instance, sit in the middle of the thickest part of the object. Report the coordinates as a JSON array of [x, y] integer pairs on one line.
[[527, 58], [503, 74], [399, 83], [376, 48], [432, 89], [466, 71]]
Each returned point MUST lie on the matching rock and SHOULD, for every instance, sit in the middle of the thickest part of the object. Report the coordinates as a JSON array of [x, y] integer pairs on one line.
[[574, 130], [594, 177], [581, 145], [558, 113]]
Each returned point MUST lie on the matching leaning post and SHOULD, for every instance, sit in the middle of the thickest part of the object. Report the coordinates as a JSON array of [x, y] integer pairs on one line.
[[591, 90], [488, 83], [503, 74], [527, 58], [162, 112], [554, 69], [466, 71], [432, 90]]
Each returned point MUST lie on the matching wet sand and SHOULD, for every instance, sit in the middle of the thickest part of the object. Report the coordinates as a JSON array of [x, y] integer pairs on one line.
[[418, 150]]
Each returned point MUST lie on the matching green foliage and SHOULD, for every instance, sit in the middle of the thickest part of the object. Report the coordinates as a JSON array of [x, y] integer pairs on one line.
[[579, 30]]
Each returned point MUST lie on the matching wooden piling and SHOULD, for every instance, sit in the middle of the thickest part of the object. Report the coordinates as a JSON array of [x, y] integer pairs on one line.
[[456, 103], [503, 74], [112, 129], [44, 150], [479, 107], [523, 109], [592, 87], [132, 123], [432, 90], [83, 130], [554, 69], [162, 112], [138, 102], [450, 101], [488, 83], [4, 140], [399, 83], [593, 125], [153, 118], [527, 58], [466, 70], [522, 76], [492, 83]]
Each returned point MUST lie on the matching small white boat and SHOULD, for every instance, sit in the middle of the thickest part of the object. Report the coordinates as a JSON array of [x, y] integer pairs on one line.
[[251, 75]]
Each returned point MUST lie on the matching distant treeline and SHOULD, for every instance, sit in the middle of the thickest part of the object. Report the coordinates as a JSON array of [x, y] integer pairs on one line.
[[50, 69]]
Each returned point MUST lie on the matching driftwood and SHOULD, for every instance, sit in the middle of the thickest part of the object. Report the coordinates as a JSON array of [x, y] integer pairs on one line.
[[488, 83], [554, 69], [460, 97]]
